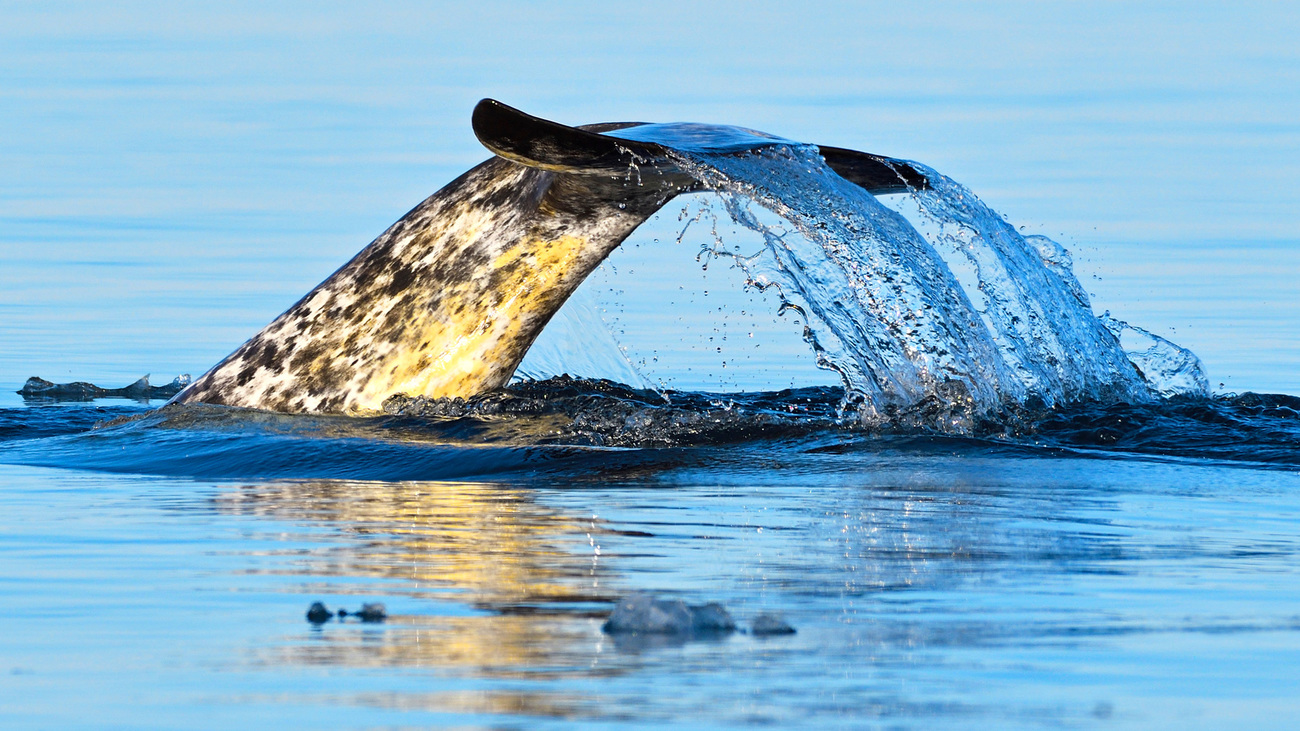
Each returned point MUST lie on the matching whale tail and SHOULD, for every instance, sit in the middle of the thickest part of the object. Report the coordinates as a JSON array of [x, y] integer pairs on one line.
[[609, 148], [447, 301]]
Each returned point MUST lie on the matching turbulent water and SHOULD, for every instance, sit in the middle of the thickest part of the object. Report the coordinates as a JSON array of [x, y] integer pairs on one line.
[[564, 426]]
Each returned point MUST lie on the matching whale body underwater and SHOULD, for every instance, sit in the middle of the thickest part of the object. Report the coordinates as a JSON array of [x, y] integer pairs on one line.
[[447, 301]]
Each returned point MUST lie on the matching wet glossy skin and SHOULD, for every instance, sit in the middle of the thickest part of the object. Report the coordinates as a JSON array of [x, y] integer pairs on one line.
[[445, 303]]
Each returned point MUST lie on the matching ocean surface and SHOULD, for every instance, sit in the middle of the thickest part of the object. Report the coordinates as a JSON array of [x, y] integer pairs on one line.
[[178, 177]]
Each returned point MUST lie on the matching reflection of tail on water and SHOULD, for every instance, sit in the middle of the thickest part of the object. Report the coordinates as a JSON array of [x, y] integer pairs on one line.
[[488, 546]]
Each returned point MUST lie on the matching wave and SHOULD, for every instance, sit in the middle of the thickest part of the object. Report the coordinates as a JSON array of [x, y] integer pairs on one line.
[[578, 428]]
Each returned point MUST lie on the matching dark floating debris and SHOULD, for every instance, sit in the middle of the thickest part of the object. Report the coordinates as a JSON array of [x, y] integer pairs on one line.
[[318, 613], [643, 614], [770, 624], [42, 390]]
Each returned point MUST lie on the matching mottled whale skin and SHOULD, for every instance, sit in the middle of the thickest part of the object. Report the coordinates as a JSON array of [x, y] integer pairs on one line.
[[446, 302]]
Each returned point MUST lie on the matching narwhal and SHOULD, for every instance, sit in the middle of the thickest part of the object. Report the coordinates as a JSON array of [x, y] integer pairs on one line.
[[446, 302]]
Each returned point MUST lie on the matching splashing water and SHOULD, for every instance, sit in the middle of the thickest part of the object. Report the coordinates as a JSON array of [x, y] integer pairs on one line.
[[1169, 369], [959, 310], [577, 342]]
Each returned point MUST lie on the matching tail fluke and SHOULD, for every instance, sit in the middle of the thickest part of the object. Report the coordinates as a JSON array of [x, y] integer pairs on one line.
[[599, 149]]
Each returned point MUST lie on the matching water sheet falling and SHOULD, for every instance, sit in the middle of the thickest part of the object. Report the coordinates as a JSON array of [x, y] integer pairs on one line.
[[887, 304], [578, 343]]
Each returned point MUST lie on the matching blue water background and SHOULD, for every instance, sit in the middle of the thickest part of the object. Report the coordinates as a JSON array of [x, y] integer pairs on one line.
[[176, 177]]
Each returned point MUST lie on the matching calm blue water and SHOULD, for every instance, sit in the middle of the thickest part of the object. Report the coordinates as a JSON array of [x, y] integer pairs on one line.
[[176, 178]]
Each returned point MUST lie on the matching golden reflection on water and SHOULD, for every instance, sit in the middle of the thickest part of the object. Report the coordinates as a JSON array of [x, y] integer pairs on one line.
[[476, 702], [493, 583], [555, 705], [452, 544]]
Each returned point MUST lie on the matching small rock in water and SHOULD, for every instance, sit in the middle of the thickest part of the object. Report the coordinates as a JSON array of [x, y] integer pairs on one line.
[[372, 612], [318, 614], [643, 614], [712, 618], [770, 624]]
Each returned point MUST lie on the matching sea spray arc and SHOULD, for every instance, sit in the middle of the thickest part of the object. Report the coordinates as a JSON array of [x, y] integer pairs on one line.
[[446, 302], [887, 312], [1032, 305]]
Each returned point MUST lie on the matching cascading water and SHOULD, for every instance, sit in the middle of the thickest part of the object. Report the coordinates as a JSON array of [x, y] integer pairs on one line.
[[576, 341], [887, 308]]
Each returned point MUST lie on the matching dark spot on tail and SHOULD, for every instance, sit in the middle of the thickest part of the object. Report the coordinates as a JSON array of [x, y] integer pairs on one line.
[[245, 375], [265, 354], [402, 279], [307, 356]]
